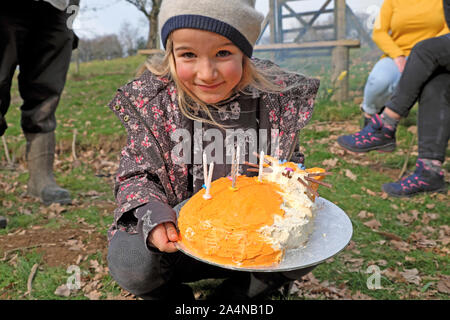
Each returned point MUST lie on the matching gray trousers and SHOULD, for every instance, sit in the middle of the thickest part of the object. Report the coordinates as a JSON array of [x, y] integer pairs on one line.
[[151, 274]]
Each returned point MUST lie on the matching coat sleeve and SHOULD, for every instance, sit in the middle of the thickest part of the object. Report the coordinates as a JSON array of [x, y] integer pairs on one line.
[[381, 29], [140, 197]]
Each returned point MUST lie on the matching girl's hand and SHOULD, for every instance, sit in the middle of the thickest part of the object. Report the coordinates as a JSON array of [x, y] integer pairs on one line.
[[400, 61], [163, 237]]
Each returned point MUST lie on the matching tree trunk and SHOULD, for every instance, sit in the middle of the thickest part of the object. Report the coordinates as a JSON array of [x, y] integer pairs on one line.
[[153, 36]]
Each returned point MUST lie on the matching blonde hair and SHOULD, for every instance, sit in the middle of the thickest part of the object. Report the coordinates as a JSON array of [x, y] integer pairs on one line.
[[253, 77]]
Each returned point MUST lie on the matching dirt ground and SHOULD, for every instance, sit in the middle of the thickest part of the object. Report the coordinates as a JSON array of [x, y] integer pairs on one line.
[[59, 248]]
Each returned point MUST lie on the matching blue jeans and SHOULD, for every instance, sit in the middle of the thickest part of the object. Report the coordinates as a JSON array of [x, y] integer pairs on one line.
[[380, 86]]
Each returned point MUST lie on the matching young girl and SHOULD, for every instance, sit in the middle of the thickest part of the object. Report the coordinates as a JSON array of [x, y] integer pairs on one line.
[[207, 78]]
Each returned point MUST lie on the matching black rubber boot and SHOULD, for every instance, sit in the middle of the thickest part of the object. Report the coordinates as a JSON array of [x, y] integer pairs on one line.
[[40, 157]]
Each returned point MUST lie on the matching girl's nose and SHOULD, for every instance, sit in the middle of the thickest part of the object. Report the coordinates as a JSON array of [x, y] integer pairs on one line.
[[207, 70]]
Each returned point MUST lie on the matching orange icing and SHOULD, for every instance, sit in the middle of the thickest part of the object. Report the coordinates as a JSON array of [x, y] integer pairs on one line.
[[225, 228]]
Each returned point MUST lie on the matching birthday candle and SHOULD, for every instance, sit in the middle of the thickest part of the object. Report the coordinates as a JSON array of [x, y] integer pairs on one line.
[[233, 169], [205, 170], [207, 194], [261, 162], [238, 159]]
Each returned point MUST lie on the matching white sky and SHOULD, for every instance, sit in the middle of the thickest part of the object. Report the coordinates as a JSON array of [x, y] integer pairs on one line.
[[115, 12]]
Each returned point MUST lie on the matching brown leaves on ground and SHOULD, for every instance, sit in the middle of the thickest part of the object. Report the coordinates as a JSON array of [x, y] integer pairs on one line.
[[350, 175], [310, 287], [373, 224], [330, 163]]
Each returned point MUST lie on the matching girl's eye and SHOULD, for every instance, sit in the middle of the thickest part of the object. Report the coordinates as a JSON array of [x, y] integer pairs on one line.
[[223, 53], [188, 55]]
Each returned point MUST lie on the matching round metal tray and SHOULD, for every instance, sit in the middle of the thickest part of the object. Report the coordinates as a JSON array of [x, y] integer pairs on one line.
[[332, 232]]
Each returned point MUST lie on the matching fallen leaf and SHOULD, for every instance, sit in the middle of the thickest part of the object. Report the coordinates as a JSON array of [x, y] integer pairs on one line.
[[62, 291], [426, 243], [406, 218], [391, 273], [350, 175], [443, 285], [411, 276], [330, 163], [390, 236], [75, 244], [412, 129], [364, 214], [360, 296], [93, 295], [401, 245], [372, 224], [381, 262]]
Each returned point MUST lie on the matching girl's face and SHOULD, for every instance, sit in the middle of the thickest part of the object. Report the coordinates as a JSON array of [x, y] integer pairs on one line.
[[208, 64]]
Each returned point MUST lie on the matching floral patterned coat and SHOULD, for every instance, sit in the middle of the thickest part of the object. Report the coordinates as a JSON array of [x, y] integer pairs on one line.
[[148, 109]]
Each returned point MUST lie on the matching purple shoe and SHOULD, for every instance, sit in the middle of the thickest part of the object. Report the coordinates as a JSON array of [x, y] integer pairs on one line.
[[422, 180], [374, 136]]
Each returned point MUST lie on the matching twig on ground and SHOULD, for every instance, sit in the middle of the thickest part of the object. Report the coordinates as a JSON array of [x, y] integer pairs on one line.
[[8, 159], [5, 255], [30, 279], [74, 155], [405, 164]]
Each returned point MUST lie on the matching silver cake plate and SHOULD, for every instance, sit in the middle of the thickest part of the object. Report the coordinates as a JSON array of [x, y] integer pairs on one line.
[[332, 232]]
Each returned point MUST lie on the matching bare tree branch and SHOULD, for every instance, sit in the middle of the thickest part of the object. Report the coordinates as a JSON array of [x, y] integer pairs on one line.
[[150, 8]]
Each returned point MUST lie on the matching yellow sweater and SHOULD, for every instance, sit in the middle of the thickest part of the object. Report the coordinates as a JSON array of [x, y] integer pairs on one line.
[[403, 23]]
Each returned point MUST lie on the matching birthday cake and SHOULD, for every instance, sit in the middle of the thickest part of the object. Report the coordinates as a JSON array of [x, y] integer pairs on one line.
[[254, 222]]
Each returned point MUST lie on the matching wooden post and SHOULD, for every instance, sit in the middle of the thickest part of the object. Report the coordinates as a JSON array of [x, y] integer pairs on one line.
[[273, 28], [77, 55], [340, 56]]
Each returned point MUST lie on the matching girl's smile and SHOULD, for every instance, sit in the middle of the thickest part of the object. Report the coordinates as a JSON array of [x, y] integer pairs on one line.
[[208, 64]]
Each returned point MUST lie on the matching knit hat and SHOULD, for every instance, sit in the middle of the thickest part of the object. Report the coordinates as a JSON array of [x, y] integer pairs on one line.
[[236, 20]]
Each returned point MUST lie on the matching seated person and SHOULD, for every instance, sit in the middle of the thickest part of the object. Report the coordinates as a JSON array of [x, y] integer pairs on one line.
[[400, 25], [426, 78]]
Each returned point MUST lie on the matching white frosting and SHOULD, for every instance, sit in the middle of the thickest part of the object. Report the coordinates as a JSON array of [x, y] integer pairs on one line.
[[293, 229]]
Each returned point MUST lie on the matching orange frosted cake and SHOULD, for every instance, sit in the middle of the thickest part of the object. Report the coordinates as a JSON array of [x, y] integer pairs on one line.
[[253, 224]]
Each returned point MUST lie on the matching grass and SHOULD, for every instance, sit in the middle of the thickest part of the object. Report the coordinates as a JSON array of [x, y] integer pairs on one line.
[[411, 234]]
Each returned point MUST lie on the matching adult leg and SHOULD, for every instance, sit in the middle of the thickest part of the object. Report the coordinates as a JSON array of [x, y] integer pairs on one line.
[[9, 32], [44, 58], [425, 59], [433, 132], [380, 85], [434, 118]]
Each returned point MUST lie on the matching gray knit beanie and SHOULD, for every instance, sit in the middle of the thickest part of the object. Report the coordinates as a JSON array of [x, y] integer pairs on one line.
[[236, 20]]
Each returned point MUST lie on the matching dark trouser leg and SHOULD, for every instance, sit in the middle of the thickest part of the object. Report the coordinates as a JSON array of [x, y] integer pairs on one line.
[[434, 118], [43, 46], [44, 53], [8, 63], [426, 58]]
